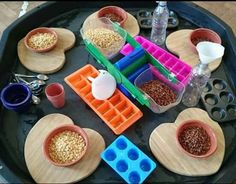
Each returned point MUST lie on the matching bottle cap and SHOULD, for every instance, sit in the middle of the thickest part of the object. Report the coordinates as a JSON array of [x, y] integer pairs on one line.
[[162, 3]]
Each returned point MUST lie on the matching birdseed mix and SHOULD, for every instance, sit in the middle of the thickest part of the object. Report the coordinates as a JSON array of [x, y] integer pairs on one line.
[[113, 17]]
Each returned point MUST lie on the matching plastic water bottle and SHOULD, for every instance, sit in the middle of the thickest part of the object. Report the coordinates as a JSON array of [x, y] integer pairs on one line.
[[197, 82], [159, 23]]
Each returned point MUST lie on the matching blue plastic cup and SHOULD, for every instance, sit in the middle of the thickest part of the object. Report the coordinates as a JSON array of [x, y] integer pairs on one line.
[[16, 97]]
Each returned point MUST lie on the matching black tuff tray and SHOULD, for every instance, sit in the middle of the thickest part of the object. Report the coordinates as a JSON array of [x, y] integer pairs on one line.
[[219, 100], [144, 18], [15, 127]]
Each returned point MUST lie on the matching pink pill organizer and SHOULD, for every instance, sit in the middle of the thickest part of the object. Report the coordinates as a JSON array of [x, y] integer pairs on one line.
[[181, 69]]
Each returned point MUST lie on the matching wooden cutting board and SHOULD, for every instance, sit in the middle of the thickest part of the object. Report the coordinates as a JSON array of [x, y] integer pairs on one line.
[[48, 62], [177, 43], [130, 25], [163, 145], [44, 172]]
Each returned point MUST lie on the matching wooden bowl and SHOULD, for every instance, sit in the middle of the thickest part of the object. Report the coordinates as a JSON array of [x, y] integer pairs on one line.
[[40, 30], [202, 34], [113, 10], [209, 131], [58, 130]]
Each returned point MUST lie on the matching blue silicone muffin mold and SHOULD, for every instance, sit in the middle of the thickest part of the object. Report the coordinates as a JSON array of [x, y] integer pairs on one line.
[[128, 160]]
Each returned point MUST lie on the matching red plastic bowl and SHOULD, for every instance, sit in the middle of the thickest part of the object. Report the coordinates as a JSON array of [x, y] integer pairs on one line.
[[40, 30], [60, 129], [115, 10], [207, 128], [202, 34]]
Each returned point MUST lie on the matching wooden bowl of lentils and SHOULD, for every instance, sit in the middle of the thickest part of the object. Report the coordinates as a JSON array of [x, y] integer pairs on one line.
[[114, 13], [200, 35], [41, 39], [65, 145], [196, 139]]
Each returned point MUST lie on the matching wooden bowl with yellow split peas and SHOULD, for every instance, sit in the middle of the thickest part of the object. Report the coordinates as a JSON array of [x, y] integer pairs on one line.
[[65, 145], [41, 39]]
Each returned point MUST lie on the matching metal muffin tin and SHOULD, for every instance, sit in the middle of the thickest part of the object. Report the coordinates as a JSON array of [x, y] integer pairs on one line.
[[144, 18], [219, 100]]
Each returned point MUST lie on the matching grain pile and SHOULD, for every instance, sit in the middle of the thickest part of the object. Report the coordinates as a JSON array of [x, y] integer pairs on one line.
[[107, 40], [42, 40], [66, 147]]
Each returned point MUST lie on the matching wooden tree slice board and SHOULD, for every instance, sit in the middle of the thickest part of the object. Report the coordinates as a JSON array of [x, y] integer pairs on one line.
[[130, 25], [177, 43], [51, 61], [44, 172], [163, 145]]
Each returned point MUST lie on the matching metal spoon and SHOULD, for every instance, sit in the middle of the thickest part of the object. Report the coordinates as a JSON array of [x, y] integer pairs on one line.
[[32, 85], [35, 86], [39, 76], [36, 100], [39, 82]]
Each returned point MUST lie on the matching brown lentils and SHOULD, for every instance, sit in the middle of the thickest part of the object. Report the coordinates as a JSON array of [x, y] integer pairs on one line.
[[197, 40], [195, 140], [113, 17], [161, 93]]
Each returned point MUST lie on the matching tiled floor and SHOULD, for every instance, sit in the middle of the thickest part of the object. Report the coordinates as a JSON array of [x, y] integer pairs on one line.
[[9, 11]]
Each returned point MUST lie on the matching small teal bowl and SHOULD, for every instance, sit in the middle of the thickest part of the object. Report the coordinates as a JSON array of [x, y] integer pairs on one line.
[[16, 97]]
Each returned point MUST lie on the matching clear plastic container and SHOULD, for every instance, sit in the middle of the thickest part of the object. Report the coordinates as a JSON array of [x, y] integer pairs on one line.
[[105, 23], [153, 74]]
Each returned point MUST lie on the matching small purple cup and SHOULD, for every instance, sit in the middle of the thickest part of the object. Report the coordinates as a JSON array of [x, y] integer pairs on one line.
[[16, 97]]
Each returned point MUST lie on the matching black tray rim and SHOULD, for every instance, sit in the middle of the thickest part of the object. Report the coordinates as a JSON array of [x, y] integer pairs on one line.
[[44, 6]]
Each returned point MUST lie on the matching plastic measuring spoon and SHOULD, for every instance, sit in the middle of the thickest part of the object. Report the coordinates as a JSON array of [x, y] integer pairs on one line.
[[103, 86]]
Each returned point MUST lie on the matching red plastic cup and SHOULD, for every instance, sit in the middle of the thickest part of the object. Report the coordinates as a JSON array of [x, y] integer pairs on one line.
[[56, 94]]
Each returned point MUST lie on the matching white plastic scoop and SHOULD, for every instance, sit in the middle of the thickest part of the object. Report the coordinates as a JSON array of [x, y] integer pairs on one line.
[[103, 86], [209, 51]]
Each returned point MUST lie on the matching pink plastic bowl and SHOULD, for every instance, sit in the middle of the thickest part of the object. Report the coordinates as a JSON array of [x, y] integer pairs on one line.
[[207, 128]]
